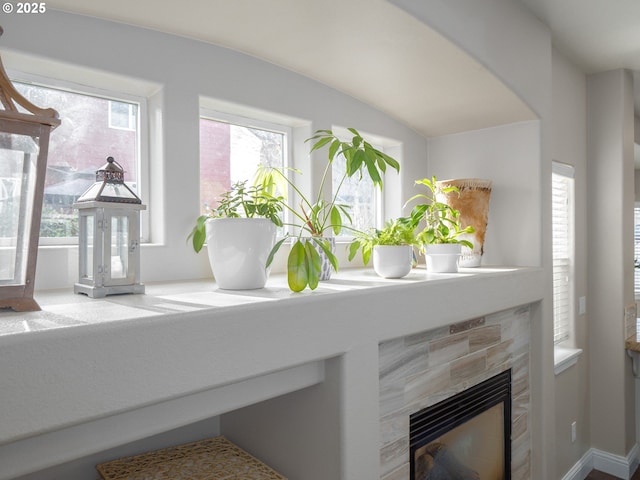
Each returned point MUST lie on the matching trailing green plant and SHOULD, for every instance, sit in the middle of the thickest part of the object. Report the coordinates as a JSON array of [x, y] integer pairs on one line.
[[240, 201], [400, 231], [314, 217], [442, 222]]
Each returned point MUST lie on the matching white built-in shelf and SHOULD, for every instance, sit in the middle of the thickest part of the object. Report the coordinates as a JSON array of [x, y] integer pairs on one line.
[[186, 351]]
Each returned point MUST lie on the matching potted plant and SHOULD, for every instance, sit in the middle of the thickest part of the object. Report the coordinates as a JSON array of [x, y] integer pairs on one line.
[[440, 238], [320, 216], [391, 246], [240, 233]]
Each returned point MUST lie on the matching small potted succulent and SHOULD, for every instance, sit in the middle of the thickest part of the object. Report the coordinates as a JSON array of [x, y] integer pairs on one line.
[[312, 256], [240, 232], [390, 246], [440, 239]]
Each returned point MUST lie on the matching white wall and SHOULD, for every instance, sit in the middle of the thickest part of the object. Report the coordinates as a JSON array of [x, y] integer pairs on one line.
[[509, 156], [610, 233], [184, 70], [570, 146]]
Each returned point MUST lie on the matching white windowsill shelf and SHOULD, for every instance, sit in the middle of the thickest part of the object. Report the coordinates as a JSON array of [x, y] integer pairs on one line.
[[186, 351], [564, 358]]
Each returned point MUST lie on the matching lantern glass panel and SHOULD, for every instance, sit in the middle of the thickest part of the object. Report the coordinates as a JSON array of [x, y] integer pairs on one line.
[[18, 159], [119, 246], [87, 229], [117, 190]]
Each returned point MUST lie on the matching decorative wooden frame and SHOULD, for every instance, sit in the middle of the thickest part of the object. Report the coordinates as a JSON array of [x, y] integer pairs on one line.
[[36, 123]]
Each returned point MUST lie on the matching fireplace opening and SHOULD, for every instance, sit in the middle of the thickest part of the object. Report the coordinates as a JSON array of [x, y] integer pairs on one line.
[[465, 437]]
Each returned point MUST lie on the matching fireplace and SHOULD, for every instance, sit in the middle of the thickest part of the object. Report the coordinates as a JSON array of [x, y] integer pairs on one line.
[[422, 369], [465, 437]]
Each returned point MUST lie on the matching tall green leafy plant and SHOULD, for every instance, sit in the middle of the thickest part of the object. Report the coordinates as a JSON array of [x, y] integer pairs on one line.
[[313, 217], [442, 222]]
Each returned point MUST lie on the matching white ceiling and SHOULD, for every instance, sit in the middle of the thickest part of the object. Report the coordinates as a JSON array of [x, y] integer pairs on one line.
[[379, 54], [369, 49], [598, 35]]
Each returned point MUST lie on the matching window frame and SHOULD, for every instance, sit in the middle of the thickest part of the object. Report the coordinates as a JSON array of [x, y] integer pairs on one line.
[[563, 332], [251, 122], [143, 147]]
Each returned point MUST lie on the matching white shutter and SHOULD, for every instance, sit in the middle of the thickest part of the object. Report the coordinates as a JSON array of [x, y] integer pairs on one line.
[[636, 249], [562, 225]]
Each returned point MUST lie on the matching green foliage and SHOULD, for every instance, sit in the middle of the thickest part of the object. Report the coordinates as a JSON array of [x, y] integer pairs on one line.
[[442, 222], [400, 231], [314, 218], [239, 201]]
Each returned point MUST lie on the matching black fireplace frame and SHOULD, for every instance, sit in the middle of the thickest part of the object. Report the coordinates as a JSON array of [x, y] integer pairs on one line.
[[431, 422]]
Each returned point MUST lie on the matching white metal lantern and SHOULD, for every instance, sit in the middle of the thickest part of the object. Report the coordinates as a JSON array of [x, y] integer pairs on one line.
[[109, 235]]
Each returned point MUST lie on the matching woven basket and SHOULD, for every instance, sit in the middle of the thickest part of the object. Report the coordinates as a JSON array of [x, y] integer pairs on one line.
[[212, 459]]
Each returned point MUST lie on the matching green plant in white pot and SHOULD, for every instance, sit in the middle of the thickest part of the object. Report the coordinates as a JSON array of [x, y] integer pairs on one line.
[[440, 239], [240, 232], [391, 247], [315, 218]]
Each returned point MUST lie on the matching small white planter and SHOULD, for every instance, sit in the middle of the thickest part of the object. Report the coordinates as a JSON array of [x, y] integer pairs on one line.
[[238, 250], [443, 258], [392, 261]]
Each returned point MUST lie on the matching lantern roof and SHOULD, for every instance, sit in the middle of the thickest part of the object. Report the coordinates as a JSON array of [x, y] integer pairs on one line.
[[110, 186]]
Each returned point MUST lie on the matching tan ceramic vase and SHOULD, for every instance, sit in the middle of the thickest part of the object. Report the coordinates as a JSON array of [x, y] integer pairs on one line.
[[473, 204]]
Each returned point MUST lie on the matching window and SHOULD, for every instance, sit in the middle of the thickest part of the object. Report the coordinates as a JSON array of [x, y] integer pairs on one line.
[[79, 146], [360, 194], [231, 149], [123, 115], [563, 250], [636, 250], [365, 200]]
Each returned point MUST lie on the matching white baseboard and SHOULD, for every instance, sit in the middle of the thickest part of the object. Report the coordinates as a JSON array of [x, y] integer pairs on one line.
[[581, 469], [616, 465]]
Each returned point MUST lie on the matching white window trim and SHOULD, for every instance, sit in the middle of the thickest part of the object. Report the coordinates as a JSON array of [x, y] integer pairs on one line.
[[142, 174], [566, 171], [565, 355], [251, 122], [564, 358]]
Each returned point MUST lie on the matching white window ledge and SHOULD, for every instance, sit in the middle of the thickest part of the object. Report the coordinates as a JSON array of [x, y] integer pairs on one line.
[[186, 351], [564, 358]]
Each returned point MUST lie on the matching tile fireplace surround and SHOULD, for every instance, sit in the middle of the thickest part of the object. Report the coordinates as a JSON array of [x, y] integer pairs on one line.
[[85, 376], [420, 370]]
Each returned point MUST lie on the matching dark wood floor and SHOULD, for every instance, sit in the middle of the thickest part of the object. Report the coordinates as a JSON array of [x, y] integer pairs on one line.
[[596, 475]]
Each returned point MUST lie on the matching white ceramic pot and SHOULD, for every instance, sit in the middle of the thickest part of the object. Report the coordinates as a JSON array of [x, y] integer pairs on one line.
[[238, 250], [443, 258], [392, 261]]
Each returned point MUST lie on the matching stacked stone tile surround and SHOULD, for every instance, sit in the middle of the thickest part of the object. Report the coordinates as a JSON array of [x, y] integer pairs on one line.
[[422, 369]]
